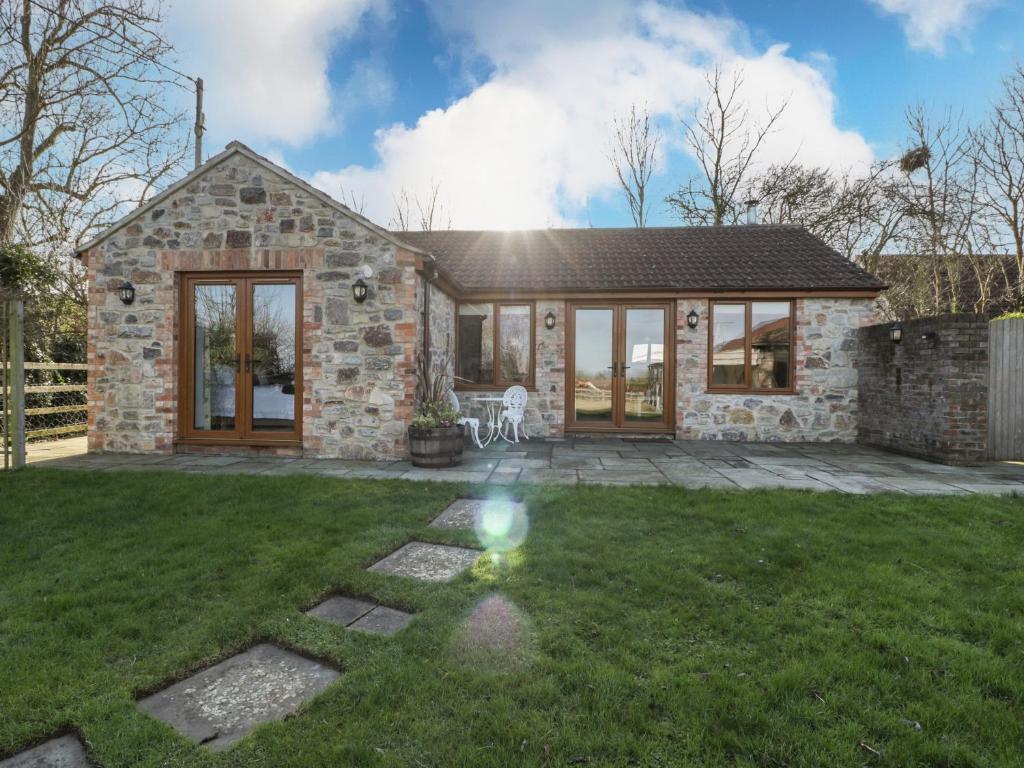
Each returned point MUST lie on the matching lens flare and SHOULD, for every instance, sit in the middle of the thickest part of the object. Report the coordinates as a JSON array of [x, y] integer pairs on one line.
[[497, 635], [501, 525]]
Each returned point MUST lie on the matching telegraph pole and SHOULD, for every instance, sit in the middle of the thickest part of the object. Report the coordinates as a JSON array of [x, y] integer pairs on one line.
[[200, 121]]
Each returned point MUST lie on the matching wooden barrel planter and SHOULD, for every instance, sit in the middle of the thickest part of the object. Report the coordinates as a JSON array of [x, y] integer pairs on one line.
[[438, 447]]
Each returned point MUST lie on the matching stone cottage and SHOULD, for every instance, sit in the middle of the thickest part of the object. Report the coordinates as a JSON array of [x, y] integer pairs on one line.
[[244, 310]]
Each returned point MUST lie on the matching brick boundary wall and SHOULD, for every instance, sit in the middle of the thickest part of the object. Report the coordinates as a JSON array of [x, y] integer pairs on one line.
[[927, 396]]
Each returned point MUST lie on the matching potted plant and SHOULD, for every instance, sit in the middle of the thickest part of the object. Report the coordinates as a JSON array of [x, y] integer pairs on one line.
[[435, 437]]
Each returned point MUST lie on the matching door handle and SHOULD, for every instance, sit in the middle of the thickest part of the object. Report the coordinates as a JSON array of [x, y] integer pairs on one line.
[[247, 362]]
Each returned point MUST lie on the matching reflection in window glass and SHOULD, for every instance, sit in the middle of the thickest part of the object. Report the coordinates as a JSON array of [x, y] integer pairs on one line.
[[273, 357], [475, 364], [514, 344], [214, 366], [594, 358], [769, 344], [728, 359]]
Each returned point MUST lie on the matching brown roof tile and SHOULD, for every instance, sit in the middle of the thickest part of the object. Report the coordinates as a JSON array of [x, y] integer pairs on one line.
[[727, 258]]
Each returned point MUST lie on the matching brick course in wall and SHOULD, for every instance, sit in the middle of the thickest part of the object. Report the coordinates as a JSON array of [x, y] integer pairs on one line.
[[927, 396]]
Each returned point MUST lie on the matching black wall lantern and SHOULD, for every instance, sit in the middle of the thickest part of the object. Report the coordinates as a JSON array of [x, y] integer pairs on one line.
[[359, 290], [126, 293], [692, 319], [896, 332], [549, 320]]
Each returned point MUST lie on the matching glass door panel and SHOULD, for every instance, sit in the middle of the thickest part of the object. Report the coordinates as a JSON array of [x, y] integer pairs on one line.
[[215, 358], [644, 379], [593, 393], [272, 372]]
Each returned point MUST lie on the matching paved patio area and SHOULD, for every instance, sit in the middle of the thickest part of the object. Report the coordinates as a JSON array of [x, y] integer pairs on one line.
[[690, 464]]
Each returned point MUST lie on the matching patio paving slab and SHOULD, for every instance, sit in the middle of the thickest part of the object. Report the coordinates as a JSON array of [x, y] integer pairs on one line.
[[702, 481], [623, 476], [633, 462], [750, 479], [453, 475], [62, 752], [225, 702], [996, 488], [427, 562], [504, 476], [818, 466]]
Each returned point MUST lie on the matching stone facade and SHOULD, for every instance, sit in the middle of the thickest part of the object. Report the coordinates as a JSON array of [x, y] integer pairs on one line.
[[824, 406], [928, 395], [545, 405], [358, 365]]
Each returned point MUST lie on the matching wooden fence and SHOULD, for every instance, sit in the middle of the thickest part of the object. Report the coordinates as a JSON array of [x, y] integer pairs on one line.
[[1006, 390], [38, 401]]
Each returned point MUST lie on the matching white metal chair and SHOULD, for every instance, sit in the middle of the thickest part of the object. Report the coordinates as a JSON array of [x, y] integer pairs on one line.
[[470, 423], [513, 413]]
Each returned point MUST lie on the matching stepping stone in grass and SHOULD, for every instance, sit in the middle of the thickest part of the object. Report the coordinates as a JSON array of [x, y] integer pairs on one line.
[[427, 562], [382, 621], [61, 752], [223, 703], [466, 513], [361, 615]]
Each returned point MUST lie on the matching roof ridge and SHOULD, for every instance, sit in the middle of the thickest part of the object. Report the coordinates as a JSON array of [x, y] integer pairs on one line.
[[687, 227]]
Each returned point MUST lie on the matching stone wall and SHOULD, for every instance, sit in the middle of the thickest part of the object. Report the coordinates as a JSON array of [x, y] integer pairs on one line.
[[824, 406], [928, 395], [545, 405], [358, 367]]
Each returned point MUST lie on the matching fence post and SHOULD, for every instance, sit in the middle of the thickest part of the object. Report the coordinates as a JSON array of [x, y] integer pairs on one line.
[[16, 388]]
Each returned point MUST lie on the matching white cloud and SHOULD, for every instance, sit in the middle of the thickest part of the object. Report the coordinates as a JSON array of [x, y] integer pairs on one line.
[[927, 23], [264, 62], [527, 147]]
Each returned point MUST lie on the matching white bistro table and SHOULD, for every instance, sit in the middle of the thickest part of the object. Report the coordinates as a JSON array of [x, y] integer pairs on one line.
[[493, 406]]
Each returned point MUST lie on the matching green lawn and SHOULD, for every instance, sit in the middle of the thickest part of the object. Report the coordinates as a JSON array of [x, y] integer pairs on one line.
[[659, 626]]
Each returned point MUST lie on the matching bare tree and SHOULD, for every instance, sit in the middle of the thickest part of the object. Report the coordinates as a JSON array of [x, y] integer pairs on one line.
[[633, 154], [938, 197], [725, 139], [998, 149], [429, 213], [353, 203], [84, 127], [856, 214]]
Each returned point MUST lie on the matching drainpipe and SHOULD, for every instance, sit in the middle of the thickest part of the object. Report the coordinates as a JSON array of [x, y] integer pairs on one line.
[[428, 276]]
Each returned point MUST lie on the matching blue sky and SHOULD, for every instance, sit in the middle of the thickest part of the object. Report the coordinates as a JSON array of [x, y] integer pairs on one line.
[[505, 106]]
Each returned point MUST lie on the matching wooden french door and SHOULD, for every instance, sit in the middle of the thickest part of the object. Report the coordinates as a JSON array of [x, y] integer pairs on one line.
[[241, 358], [620, 367]]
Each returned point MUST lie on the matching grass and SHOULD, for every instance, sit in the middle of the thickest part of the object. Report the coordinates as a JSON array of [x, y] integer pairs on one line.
[[657, 626]]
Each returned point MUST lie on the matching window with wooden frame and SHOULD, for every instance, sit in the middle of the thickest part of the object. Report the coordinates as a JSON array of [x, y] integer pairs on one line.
[[494, 344], [751, 346]]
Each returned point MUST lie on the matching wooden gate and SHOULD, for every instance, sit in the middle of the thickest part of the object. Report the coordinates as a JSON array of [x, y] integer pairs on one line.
[[1006, 390]]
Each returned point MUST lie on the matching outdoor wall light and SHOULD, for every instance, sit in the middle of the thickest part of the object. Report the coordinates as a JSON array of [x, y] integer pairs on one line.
[[126, 293], [359, 290], [692, 319], [549, 320], [896, 332]]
